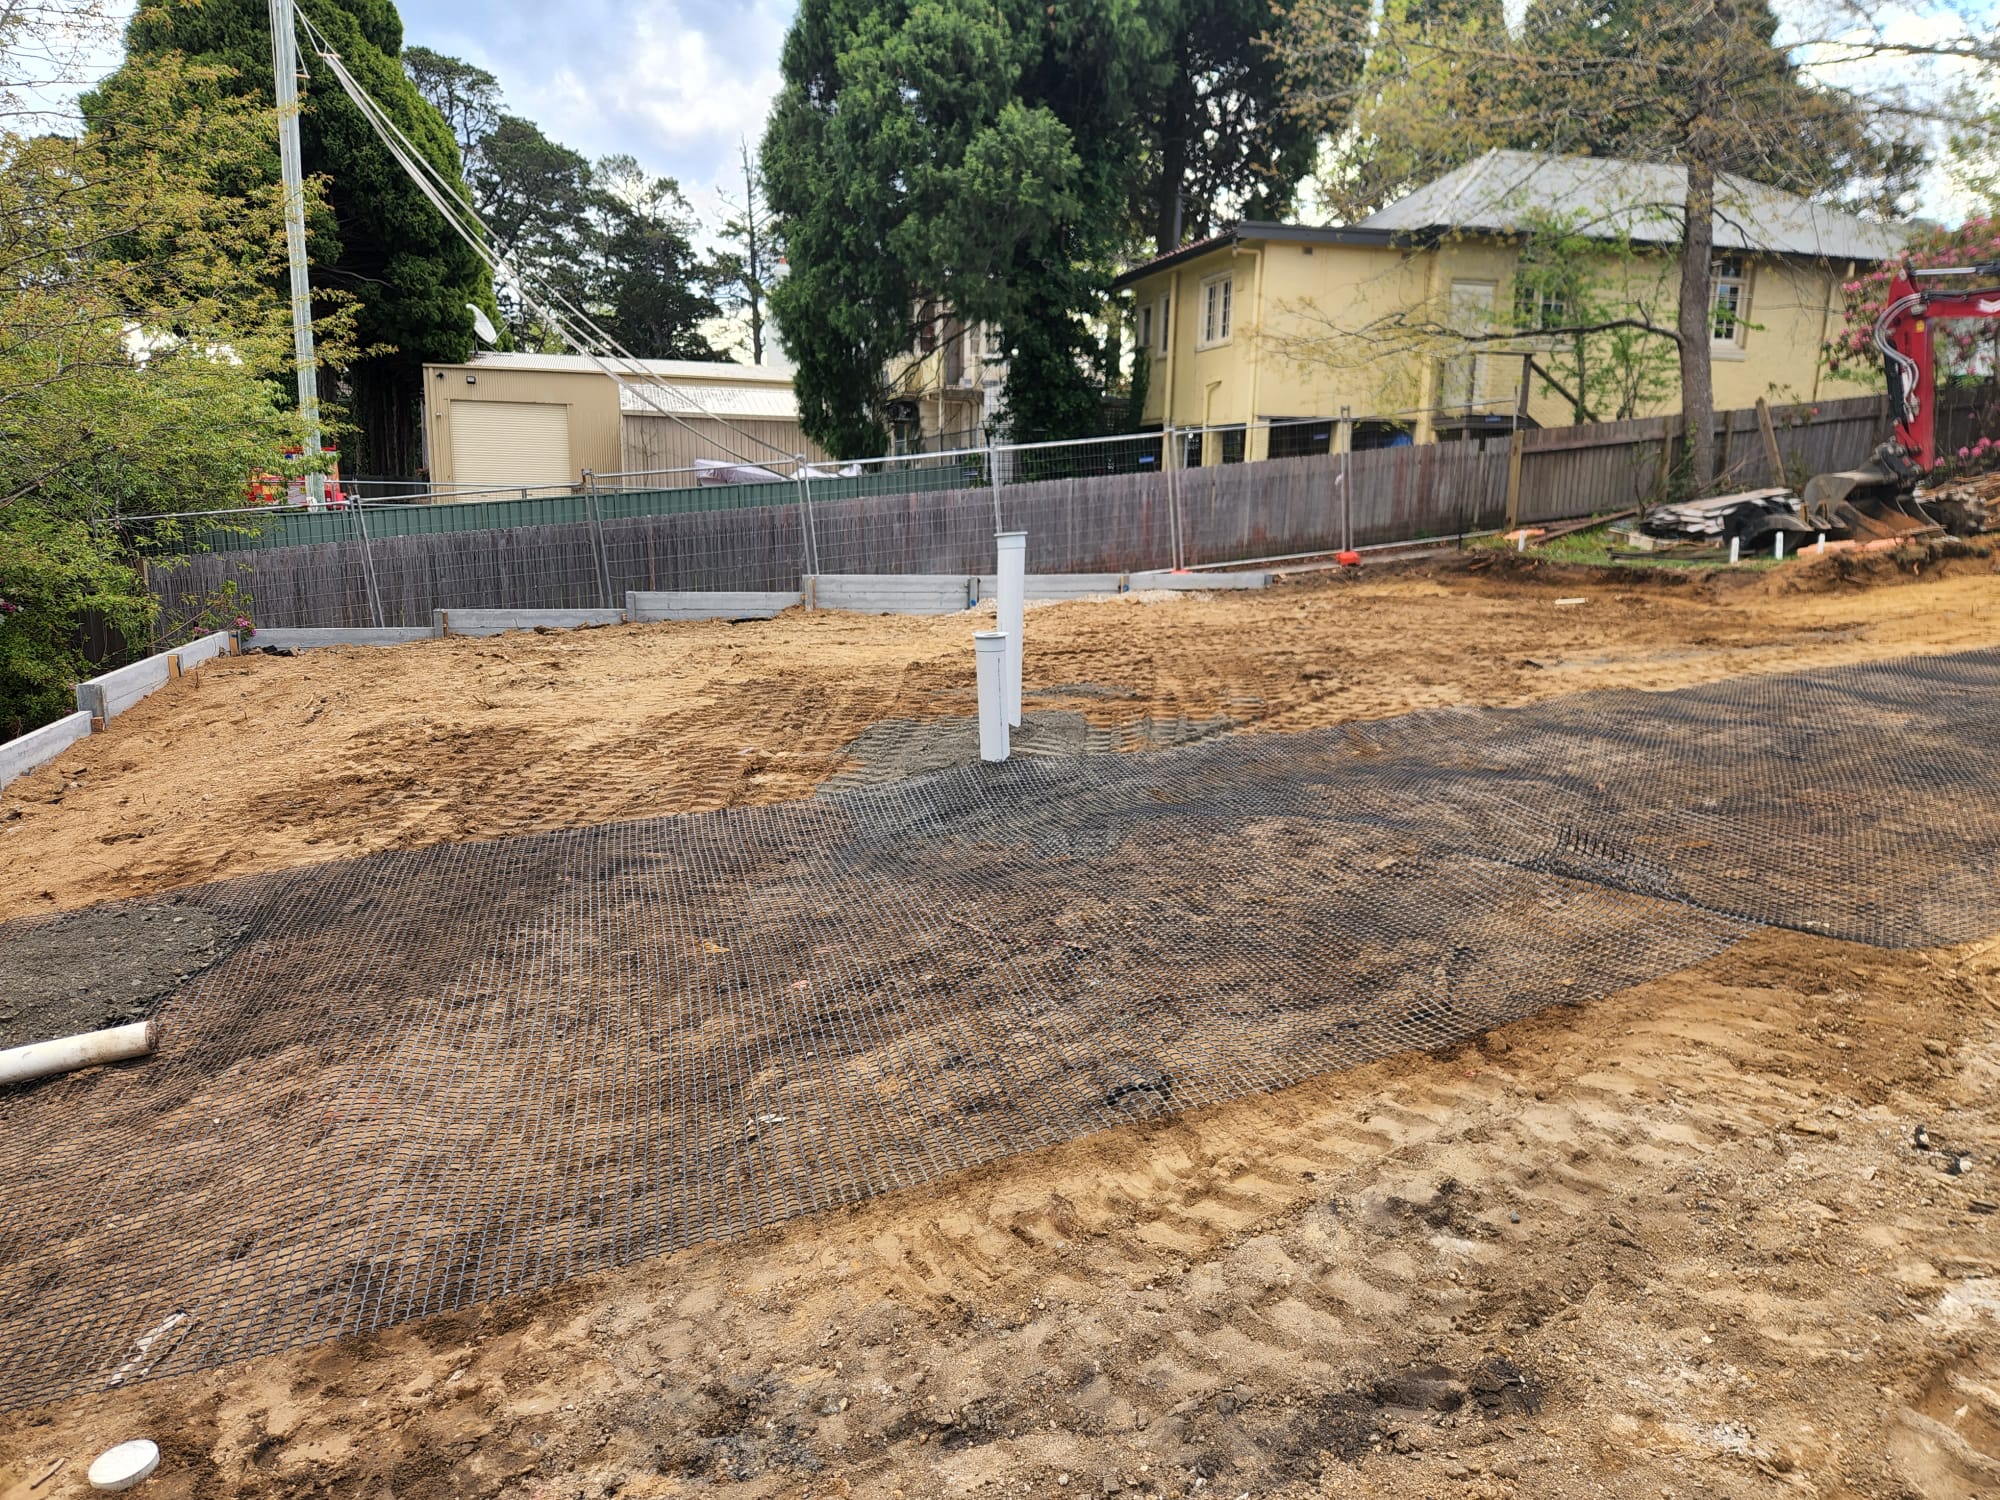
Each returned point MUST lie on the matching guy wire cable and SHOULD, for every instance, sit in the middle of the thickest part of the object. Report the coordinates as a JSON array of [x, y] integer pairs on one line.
[[459, 215]]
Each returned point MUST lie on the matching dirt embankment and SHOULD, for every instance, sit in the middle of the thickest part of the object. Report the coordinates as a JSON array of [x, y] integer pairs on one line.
[[262, 763]]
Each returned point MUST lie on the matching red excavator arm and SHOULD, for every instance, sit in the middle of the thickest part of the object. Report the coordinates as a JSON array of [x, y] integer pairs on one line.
[[1903, 335]]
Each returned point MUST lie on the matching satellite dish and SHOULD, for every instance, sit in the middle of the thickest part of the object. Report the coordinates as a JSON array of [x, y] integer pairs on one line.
[[481, 324]]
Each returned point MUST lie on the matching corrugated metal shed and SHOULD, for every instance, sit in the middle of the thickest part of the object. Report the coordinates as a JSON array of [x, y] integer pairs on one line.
[[1505, 191]]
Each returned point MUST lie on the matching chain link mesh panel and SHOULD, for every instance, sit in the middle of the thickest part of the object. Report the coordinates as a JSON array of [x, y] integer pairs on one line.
[[422, 1079]]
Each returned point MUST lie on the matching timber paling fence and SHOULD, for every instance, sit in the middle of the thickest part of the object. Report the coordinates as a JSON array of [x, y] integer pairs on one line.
[[394, 565]]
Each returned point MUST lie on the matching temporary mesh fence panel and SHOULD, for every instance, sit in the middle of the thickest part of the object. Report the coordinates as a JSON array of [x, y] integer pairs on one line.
[[426, 1078], [1098, 505]]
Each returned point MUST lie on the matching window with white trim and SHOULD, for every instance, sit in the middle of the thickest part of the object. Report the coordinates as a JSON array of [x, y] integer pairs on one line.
[[1465, 375], [1160, 326], [1142, 335], [1216, 295], [1729, 300]]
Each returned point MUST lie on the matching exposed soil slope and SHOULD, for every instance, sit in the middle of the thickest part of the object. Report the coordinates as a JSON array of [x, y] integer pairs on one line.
[[1678, 1242], [261, 763]]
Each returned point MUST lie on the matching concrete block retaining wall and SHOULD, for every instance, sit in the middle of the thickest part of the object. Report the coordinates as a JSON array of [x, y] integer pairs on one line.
[[38, 747], [103, 698], [106, 697], [498, 621], [305, 640], [892, 593], [717, 605], [1166, 580], [1059, 585]]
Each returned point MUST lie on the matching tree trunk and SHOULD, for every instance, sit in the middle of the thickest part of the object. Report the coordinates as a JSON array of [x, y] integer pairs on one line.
[[385, 407], [1697, 383], [1176, 117]]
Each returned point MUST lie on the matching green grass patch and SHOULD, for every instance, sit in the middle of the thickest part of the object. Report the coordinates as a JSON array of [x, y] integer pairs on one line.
[[1592, 548]]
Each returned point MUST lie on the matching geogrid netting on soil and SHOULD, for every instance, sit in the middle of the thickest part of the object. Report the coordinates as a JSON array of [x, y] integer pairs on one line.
[[423, 1079]]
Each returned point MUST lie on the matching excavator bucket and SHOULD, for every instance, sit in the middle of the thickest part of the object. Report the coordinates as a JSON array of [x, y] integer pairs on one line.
[[1871, 503]]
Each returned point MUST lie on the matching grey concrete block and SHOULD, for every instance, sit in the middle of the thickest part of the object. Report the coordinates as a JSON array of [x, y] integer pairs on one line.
[[207, 648], [892, 593], [108, 696], [498, 621], [716, 605], [38, 747], [1059, 585], [1163, 579], [305, 640]]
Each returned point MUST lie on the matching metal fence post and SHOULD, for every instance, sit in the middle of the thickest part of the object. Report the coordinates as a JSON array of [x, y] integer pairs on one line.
[[808, 540], [1514, 450], [1346, 479], [993, 475], [597, 546], [368, 564], [1172, 456]]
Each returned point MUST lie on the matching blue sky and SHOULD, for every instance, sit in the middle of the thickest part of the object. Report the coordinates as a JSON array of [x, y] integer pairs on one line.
[[674, 82]]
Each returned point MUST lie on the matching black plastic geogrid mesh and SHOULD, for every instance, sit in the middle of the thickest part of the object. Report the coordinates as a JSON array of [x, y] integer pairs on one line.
[[426, 1078]]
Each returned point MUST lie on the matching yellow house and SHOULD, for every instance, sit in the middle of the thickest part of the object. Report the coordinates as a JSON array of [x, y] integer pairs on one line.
[[1400, 324], [945, 391]]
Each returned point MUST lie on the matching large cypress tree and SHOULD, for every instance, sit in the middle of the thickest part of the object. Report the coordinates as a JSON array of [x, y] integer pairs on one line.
[[380, 241], [978, 154], [1219, 142]]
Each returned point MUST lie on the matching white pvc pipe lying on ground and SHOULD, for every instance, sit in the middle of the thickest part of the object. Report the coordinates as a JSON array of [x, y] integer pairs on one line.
[[990, 661], [68, 1053], [1012, 589]]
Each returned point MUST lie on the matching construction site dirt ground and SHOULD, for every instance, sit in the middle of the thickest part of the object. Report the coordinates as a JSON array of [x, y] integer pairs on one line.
[[1681, 1241]]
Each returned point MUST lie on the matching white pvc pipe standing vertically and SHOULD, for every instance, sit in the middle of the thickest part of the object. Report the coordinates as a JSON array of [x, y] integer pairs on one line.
[[1736, 549], [1779, 552], [989, 659], [1013, 594]]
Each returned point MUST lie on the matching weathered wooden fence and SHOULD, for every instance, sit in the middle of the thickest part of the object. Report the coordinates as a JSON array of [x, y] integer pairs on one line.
[[1104, 523]]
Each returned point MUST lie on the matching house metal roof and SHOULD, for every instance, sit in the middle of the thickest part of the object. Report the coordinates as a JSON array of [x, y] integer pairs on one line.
[[1504, 192], [1257, 229]]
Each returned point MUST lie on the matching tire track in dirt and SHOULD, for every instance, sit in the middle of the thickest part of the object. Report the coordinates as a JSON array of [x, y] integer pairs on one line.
[[1675, 1239]]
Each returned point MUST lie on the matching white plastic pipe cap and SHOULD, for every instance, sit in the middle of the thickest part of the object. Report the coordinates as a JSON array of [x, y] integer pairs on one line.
[[989, 655], [124, 1466]]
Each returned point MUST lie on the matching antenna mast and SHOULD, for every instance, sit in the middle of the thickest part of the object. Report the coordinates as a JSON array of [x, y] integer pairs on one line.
[[285, 75]]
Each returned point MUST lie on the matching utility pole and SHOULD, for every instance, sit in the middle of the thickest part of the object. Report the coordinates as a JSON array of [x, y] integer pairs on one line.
[[285, 78]]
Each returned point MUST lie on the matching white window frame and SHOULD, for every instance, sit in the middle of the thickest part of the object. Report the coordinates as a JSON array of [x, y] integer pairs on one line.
[[1466, 374], [1732, 272], [1162, 308], [1144, 335], [1218, 297]]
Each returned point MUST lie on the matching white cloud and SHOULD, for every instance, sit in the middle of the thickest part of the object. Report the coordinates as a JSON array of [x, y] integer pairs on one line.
[[675, 84]]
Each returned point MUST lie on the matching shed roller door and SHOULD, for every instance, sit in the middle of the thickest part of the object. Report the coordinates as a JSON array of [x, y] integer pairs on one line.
[[507, 443]]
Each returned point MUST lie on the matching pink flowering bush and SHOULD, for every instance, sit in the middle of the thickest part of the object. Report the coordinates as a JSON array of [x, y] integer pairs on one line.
[[1852, 350], [1971, 458]]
